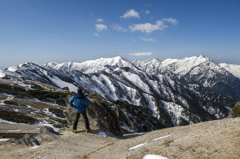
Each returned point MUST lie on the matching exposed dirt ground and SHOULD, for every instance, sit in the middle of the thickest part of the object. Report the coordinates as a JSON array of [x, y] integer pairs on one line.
[[213, 139]]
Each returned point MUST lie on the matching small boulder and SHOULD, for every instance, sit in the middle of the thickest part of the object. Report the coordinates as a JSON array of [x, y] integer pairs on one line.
[[48, 134]]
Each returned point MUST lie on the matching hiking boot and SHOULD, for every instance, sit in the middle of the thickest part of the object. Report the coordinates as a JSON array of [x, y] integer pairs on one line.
[[74, 131], [87, 130]]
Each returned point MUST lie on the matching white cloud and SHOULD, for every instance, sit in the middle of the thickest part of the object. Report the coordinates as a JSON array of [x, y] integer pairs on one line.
[[100, 27], [120, 43], [130, 14], [99, 20], [147, 11], [141, 54], [148, 27], [96, 34], [151, 17], [174, 22], [118, 28], [148, 39], [121, 53]]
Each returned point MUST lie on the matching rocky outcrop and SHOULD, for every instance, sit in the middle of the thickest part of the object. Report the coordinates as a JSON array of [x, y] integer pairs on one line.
[[69, 112], [27, 139], [48, 134], [136, 118], [115, 118], [30, 140]]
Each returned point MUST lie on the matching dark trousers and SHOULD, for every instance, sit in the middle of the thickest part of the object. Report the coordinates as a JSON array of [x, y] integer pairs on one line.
[[84, 114]]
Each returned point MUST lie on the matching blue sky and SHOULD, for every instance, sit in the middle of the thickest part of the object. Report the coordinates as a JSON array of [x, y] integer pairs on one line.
[[42, 31]]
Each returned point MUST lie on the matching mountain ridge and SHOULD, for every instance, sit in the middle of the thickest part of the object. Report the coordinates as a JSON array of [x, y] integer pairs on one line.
[[173, 94]]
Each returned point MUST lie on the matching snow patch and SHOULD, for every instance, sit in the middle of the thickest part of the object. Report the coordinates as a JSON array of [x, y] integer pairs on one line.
[[61, 83], [141, 133], [151, 104], [175, 111], [153, 156], [4, 139], [162, 137], [137, 146], [12, 69], [14, 130], [9, 122], [43, 123], [16, 110], [102, 134], [34, 147]]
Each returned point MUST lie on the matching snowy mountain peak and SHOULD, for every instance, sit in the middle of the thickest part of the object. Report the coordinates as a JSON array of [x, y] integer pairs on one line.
[[148, 65], [25, 64], [152, 60], [91, 66], [50, 64], [195, 60]]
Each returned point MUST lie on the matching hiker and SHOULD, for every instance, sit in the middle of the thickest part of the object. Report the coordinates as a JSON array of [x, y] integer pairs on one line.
[[80, 103]]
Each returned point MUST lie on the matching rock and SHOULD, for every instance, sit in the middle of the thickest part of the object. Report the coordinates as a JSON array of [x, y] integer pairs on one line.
[[16, 141], [30, 140], [106, 118], [27, 139], [48, 134], [136, 118], [69, 112]]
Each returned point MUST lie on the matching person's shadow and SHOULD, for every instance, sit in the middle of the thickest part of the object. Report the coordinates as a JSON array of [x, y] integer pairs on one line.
[[91, 131], [81, 131]]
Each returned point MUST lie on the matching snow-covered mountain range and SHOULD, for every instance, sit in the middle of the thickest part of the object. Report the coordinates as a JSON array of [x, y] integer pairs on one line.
[[176, 91]]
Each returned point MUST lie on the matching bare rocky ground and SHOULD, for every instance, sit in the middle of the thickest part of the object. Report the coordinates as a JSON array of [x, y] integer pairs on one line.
[[213, 139]]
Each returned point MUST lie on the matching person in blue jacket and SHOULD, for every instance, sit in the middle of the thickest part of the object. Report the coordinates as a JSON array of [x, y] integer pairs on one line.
[[81, 102]]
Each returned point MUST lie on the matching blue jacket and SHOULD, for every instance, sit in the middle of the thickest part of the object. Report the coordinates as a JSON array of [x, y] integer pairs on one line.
[[80, 102]]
